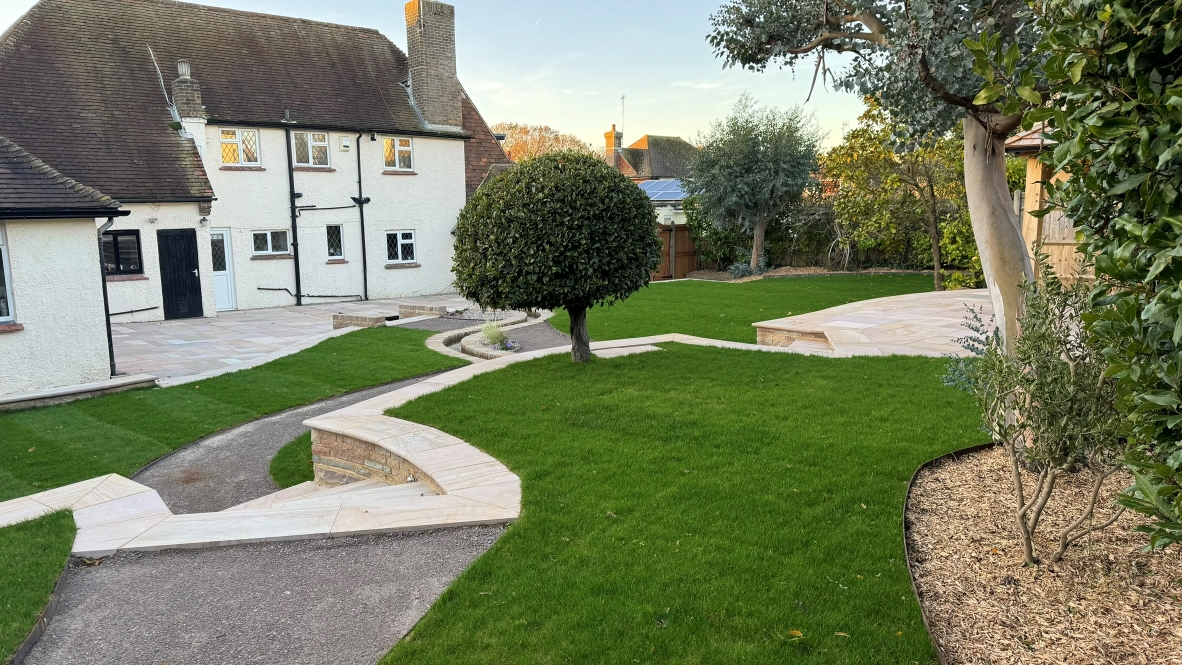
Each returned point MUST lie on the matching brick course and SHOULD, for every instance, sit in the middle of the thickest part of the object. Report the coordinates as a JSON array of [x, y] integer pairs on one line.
[[340, 460]]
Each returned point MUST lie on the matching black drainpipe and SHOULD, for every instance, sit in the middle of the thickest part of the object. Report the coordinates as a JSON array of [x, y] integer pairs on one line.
[[295, 239], [106, 301], [361, 201]]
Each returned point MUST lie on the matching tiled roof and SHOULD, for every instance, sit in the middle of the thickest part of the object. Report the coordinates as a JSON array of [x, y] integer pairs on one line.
[[657, 157], [482, 152], [1028, 141], [81, 91], [30, 187]]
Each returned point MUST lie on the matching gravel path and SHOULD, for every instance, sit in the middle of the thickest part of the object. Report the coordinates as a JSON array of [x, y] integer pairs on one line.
[[539, 336], [339, 601], [233, 467]]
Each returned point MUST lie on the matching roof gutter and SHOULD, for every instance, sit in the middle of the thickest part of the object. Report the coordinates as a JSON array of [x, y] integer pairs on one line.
[[340, 128], [62, 213]]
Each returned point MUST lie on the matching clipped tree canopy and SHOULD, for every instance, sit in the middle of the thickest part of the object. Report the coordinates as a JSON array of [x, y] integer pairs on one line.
[[560, 230]]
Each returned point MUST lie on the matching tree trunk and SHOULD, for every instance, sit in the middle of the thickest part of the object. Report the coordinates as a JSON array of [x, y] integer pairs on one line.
[[759, 231], [934, 232], [580, 341], [1004, 258]]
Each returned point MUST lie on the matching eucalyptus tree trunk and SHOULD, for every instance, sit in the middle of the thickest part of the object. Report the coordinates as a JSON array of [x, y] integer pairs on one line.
[[998, 232], [759, 231], [580, 341]]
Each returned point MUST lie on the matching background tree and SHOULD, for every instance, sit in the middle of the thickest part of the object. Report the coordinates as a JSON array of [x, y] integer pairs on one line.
[[560, 230], [525, 141], [752, 166], [888, 196], [1107, 80], [912, 57]]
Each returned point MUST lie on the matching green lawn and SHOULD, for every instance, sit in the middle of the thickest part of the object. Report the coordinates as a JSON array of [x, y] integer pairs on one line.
[[292, 465], [53, 446], [695, 505], [720, 310]]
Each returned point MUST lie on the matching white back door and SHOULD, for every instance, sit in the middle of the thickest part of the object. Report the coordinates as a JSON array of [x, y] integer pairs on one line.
[[223, 268]]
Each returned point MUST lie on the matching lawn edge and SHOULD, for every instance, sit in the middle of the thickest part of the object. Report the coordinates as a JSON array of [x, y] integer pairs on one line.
[[43, 618], [952, 456]]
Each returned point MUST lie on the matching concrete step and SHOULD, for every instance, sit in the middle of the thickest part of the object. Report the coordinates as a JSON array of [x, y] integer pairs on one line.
[[386, 495]]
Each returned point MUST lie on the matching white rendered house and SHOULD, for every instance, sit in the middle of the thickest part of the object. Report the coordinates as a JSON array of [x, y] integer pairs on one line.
[[53, 331], [262, 160]]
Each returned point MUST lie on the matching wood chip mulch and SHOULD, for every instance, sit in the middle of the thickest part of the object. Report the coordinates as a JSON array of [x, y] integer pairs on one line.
[[1105, 603]]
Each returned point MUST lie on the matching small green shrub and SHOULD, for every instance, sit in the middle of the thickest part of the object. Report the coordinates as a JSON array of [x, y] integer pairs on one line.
[[1050, 403]]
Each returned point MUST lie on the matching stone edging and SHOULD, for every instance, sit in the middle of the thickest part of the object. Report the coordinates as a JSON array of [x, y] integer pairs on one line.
[[442, 342], [952, 456]]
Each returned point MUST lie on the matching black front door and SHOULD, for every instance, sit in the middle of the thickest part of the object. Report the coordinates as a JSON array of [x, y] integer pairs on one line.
[[180, 278]]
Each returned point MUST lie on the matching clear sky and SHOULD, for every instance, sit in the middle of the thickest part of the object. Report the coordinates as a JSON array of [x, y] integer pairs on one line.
[[566, 63]]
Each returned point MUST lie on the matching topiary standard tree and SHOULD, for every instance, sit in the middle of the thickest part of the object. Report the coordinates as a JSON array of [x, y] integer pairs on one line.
[[560, 230]]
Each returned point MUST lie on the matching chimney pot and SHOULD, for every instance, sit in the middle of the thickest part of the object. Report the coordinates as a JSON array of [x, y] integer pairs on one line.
[[182, 68]]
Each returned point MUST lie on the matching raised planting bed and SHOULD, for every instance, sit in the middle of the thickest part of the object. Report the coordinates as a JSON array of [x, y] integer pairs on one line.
[[1106, 602]]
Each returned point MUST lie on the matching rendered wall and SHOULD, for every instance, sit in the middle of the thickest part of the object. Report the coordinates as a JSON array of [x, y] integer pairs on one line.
[[256, 199], [57, 297], [129, 293]]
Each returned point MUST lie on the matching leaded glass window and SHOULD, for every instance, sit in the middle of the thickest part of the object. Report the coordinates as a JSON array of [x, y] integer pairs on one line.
[[400, 247], [240, 146], [399, 154], [311, 148], [335, 241]]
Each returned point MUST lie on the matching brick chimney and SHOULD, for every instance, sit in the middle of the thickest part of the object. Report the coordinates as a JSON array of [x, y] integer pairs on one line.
[[431, 49], [186, 93], [614, 141]]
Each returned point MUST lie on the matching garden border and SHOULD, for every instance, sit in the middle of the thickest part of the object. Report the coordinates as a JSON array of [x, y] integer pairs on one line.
[[43, 618], [952, 456]]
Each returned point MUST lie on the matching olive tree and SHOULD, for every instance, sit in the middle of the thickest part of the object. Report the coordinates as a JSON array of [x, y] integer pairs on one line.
[[560, 230], [912, 57], [752, 166]]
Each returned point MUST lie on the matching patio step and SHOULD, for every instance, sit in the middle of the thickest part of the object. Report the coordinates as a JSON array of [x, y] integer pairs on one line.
[[386, 495]]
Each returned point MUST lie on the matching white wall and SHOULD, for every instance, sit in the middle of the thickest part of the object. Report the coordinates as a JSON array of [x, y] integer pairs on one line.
[[144, 292], [664, 212], [58, 298], [250, 200]]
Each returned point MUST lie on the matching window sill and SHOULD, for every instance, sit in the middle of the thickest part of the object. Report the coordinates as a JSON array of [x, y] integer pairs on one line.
[[127, 278], [11, 327], [335, 262], [271, 257], [314, 169], [401, 266], [393, 172], [242, 168]]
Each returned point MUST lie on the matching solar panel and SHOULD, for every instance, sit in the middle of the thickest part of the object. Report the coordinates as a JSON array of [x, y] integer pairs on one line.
[[663, 190]]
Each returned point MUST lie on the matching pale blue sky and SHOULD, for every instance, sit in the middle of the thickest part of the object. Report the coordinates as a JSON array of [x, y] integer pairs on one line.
[[566, 63]]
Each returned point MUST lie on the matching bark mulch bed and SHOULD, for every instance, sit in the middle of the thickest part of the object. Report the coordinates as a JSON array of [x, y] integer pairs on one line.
[[1105, 603]]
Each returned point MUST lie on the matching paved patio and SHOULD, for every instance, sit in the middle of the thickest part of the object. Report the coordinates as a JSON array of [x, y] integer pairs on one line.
[[925, 324], [196, 348]]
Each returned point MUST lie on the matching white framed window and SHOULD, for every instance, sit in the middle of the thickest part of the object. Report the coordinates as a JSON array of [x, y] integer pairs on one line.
[[336, 241], [311, 148], [270, 243], [400, 247], [6, 313], [399, 153], [240, 147]]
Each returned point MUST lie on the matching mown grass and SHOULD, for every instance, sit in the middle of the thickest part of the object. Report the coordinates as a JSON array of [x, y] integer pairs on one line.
[[695, 505], [53, 446], [292, 465], [719, 310], [34, 554]]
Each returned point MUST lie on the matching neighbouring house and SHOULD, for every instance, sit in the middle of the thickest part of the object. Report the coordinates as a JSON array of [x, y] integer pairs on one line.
[[53, 331], [657, 164], [1054, 231], [263, 160]]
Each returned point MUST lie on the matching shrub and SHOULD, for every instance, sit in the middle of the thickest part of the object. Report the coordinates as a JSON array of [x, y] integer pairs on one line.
[[560, 230], [1049, 404]]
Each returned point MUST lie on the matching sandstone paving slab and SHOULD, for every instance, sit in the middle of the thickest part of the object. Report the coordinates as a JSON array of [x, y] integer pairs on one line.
[[235, 528], [19, 510]]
